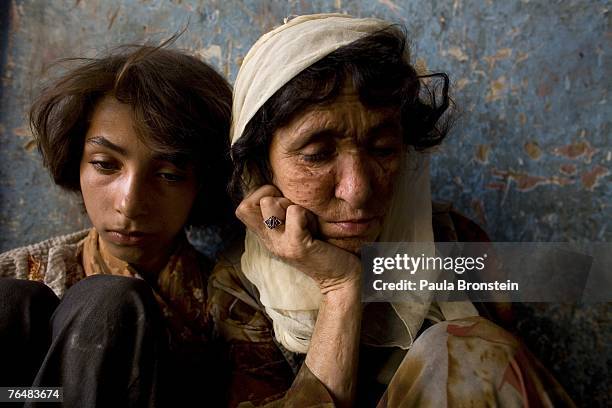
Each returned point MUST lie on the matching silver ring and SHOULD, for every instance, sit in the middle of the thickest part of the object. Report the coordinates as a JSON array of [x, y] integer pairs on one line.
[[273, 222]]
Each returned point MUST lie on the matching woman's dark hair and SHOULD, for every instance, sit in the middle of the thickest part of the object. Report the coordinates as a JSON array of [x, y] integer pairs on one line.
[[181, 106], [378, 68]]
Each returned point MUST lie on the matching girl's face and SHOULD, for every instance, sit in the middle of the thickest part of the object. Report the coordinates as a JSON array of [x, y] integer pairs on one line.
[[138, 200]]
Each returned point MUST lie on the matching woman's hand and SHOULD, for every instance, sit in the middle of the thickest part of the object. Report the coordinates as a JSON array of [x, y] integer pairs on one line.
[[293, 241], [333, 353]]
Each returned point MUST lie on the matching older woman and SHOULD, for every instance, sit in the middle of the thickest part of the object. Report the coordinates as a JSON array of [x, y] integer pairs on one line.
[[327, 125], [116, 314]]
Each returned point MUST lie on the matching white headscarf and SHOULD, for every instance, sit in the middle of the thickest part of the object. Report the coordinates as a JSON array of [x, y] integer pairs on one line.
[[290, 297]]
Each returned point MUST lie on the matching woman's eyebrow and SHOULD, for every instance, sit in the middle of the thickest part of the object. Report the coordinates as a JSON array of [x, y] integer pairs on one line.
[[389, 123], [311, 135], [104, 142]]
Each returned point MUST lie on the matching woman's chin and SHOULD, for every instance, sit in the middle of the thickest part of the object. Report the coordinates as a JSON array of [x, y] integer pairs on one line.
[[352, 244]]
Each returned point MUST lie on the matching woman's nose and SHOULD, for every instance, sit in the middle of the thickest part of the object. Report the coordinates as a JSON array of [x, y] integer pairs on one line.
[[354, 181], [132, 199]]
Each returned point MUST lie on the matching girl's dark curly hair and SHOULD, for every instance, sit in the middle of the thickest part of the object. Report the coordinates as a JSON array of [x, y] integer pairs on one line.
[[182, 108]]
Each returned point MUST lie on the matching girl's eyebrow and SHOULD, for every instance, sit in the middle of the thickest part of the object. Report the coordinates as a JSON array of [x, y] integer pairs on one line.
[[104, 142], [180, 160]]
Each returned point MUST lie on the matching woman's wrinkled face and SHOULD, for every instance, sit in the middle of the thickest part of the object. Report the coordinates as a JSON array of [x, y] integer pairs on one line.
[[137, 200], [340, 161]]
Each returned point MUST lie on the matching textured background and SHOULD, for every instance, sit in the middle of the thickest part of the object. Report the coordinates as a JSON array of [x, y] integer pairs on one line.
[[529, 157]]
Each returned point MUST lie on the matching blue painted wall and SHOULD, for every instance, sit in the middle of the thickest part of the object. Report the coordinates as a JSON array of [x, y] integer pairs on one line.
[[529, 158]]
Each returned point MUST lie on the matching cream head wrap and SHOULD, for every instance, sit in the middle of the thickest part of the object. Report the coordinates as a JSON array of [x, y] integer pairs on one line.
[[290, 297]]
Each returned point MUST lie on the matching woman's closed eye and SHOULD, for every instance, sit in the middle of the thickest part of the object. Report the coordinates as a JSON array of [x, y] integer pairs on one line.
[[317, 157], [384, 151], [317, 153], [385, 147]]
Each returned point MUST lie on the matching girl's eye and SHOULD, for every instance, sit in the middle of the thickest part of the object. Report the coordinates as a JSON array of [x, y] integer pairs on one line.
[[103, 166], [172, 177]]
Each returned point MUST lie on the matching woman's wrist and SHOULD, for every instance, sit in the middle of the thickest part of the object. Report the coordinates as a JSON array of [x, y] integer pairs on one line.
[[347, 285], [342, 293], [333, 355]]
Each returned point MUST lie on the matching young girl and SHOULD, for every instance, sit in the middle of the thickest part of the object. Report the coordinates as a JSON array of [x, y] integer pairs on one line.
[[116, 314]]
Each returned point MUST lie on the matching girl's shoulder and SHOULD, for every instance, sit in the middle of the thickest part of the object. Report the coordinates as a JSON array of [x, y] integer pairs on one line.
[[47, 261]]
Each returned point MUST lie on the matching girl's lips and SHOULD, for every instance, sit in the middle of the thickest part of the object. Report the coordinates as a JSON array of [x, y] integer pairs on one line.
[[127, 238]]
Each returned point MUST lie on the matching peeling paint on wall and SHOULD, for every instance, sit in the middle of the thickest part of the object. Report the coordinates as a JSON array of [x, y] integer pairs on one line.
[[533, 150], [568, 169], [526, 182], [582, 149], [590, 179]]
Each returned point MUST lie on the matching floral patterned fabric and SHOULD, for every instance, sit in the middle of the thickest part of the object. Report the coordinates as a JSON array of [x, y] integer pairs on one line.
[[179, 290], [468, 362]]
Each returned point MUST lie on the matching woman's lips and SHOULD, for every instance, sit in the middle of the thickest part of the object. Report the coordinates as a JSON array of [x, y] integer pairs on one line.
[[351, 228], [129, 238]]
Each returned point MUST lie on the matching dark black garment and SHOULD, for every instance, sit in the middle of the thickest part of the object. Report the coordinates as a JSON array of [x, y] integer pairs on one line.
[[25, 312], [105, 343]]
